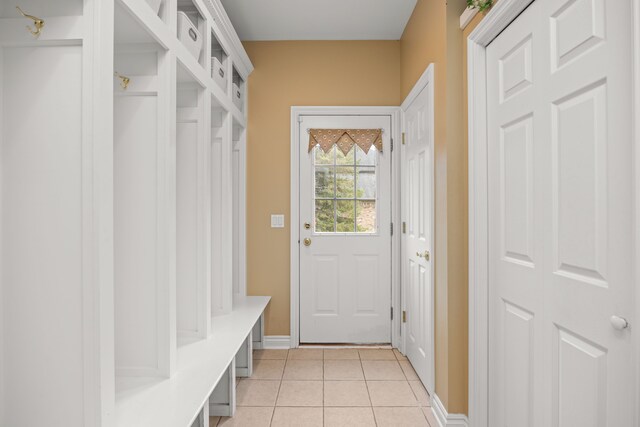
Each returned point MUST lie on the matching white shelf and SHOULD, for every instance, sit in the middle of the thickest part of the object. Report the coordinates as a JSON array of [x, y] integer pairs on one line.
[[176, 402]]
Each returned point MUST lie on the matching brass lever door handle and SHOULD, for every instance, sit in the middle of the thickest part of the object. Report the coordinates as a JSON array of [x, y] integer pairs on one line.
[[426, 255]]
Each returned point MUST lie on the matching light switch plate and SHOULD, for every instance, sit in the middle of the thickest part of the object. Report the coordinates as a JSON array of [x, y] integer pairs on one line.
[[277, 221]]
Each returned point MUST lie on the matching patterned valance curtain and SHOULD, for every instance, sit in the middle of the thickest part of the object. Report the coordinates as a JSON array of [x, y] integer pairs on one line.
[[345, 139]]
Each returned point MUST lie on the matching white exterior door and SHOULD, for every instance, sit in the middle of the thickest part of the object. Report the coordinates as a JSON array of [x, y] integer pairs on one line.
[[345, 213], [560, 217], [417, 235]]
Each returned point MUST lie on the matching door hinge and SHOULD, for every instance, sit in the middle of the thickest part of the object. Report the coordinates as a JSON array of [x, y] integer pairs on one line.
[[391, 144], [404, 227], [404, 316], [391, 313], [403, 140], [392, 229]]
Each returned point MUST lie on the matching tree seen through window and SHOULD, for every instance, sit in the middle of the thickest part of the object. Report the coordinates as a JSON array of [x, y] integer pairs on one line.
[[345, 191]]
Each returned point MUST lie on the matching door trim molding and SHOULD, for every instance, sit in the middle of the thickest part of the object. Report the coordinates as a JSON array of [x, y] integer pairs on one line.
[[636, 166], [426, 78], [294, 272], [425, 81], [499, 18]]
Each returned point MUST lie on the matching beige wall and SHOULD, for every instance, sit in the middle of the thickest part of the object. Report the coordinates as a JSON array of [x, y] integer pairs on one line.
[[433, 36], [289, 74]]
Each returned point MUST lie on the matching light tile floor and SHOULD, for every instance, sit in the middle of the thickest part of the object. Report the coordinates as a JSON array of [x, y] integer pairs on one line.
[[331, 388]]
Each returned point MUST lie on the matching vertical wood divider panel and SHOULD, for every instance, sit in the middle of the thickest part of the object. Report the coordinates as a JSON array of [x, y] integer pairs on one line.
[[167, 322], [227, 217], [222, 211], [98, 316], [204, 153], [2, 300]]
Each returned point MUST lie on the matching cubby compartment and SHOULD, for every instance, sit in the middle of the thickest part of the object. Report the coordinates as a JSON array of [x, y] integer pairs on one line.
[[45, 238], [222, 402], [128, 30], [219, 63], [143, 223], [221, 212], [192, 285], [191, 29], [237, 90]]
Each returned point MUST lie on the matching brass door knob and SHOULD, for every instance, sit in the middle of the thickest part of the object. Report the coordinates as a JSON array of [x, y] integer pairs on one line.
[[426, 255], [307, 242]]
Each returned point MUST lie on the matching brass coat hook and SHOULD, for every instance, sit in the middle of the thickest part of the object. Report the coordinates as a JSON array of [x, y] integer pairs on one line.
[[124, 80], [37, 22]]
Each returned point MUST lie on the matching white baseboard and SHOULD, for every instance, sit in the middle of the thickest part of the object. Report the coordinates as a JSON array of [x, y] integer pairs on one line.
[[276, 342], [444, 418]]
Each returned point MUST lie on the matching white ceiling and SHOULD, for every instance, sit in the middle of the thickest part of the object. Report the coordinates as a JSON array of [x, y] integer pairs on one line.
[[319, 19]]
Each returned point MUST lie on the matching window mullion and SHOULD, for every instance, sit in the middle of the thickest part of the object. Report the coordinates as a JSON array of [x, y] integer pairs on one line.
[[335, 189], [355, 191]]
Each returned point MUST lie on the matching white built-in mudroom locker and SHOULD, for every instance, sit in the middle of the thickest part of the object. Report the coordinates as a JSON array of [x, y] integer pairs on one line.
[[122, 193]]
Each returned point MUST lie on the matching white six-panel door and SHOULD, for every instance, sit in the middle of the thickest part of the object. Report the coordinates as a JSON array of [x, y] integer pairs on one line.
[[345, 269], [560, 217], [417, 233]]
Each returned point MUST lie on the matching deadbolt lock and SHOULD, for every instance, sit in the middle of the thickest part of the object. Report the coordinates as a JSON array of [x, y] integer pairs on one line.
[[307, 225]]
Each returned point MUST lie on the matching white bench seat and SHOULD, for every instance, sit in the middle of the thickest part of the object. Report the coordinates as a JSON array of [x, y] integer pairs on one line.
[[177, 401]]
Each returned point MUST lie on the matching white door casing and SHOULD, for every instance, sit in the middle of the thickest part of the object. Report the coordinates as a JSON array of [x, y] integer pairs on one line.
[[560, 194], [345, 277], [418, 228]]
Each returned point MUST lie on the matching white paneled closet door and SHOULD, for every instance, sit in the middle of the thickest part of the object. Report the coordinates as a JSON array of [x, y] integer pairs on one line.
[[54, 161], [561, 271]]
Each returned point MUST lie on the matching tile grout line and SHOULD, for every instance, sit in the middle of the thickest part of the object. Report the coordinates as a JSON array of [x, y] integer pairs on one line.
[[273, 413], [366, 384], [322, 416]]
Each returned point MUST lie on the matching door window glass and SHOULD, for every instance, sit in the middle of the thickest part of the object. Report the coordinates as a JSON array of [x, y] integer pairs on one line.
[[346, 190]]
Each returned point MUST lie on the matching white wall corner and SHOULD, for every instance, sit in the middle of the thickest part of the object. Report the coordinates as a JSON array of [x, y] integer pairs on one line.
[[444, 418], [467, 16], [276, 342]]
